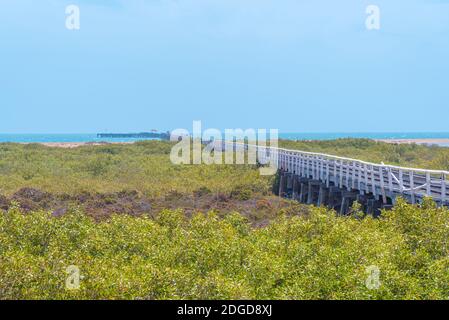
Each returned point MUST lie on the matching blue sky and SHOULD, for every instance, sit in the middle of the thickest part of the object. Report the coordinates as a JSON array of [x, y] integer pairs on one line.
[[298, 66]]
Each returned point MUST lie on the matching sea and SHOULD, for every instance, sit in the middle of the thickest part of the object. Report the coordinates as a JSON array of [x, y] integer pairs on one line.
[[43, 138]]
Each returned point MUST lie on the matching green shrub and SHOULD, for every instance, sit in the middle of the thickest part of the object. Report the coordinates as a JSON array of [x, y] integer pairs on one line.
[[241, 192], [318, 256]]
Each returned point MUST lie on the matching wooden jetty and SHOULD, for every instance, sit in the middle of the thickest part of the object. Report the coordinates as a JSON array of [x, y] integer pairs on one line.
[[140, 135], [337, 182]]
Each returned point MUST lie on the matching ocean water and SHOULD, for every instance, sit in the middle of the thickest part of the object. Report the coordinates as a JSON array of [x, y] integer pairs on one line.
[[368, 135], [41, 138]]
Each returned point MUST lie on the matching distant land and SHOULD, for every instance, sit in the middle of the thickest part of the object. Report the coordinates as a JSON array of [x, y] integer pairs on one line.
[[141, 135], [439, 138]]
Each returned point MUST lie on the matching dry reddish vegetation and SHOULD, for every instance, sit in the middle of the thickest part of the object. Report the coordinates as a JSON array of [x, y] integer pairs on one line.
[[259, 209], [133, 179]]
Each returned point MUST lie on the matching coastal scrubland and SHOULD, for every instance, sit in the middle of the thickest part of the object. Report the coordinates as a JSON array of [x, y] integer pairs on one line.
[[146, 167], [402, 255], [141, 166], [138, 227]]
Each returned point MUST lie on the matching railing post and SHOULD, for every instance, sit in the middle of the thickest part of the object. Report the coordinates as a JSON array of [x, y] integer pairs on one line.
[[290, 162], [366, 178], [335, 162], [443, 189], [302, 161], [275, 155], [359, 179], [373, 181], [297, 164], [301, 169], [353, 166], [428, 182], [280, 160], [312, 167], [382, 184], [279, 154], [341, 174], [284, 161], [293, 161], [412, 187], [390, 179], [321, 169], [347, 175], [306, 166]]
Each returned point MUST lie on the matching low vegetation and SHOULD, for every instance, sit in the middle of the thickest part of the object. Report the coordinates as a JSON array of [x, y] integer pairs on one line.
[[142, 166], [403, 255], [138, 227]]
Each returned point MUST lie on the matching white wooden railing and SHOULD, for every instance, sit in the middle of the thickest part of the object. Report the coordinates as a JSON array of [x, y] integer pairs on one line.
[[379, 179]]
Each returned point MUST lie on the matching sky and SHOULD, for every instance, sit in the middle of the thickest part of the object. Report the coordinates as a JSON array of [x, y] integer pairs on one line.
[[292, 65]]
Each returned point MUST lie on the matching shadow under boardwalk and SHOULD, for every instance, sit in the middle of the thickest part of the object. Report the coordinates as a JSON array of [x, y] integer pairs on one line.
[[312, 191]]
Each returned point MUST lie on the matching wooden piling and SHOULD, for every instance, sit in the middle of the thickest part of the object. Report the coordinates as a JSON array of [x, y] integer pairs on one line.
[[323, 195], [314, 188], [282, 183], [348, 197], [295, 191]]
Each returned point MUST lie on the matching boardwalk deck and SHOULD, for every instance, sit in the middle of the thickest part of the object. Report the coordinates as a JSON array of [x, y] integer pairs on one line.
[[380, 180]]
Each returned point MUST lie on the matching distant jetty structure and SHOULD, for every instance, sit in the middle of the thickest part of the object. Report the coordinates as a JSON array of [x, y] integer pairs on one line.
[[140, 135]]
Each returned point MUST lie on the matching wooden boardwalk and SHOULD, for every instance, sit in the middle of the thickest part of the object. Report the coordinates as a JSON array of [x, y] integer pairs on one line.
[[384, 182]]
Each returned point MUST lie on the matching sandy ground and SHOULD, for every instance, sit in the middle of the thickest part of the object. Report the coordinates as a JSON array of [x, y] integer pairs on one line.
[[417, 141], [78, 144]]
